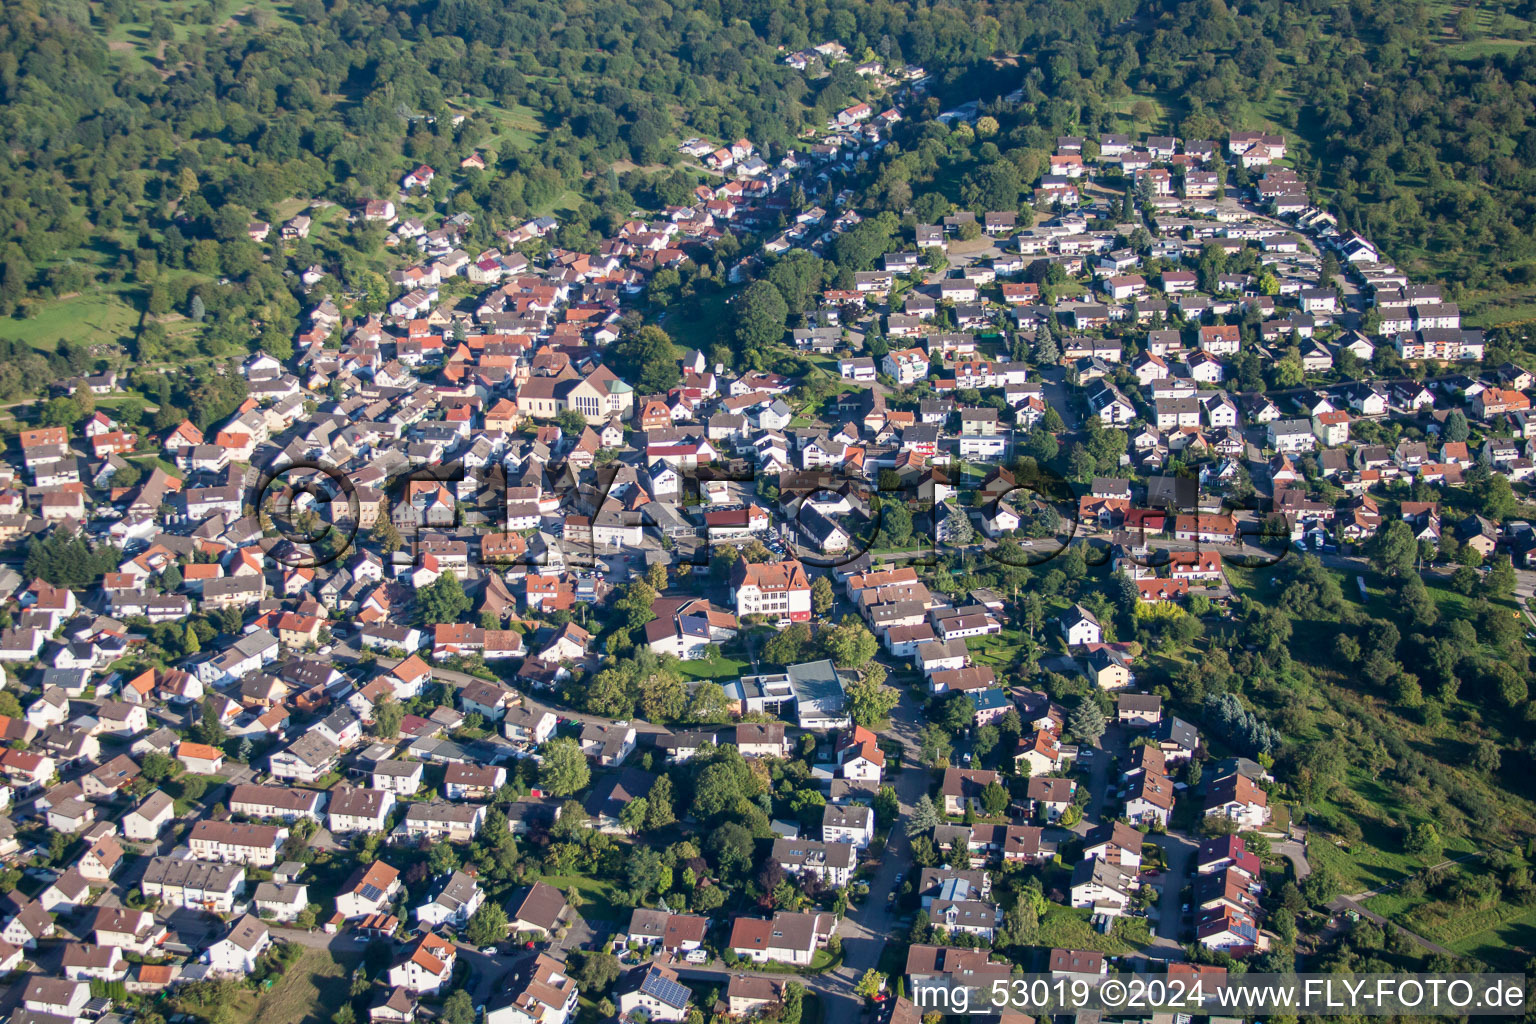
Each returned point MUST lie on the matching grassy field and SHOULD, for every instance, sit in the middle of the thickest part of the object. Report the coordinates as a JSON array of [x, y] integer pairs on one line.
[[1497, 933], [1165, 113], [1379, 804], [1502, 946], [1376, 860], [97, 316], [699, 322], [517, 126], [129, 40], [312, 990]]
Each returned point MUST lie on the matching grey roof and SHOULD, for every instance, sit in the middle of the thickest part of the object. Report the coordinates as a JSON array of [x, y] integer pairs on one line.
[[817, 684], [1101, 872], [457, 891], [197, 874], [285, 893], [1176, 730], [809, 853], [313, 749]]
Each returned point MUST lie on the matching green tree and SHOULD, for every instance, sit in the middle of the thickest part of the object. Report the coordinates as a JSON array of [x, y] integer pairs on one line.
[[1394, 550], [386, 536], [822, 597], [871, 984], [1500, 580], [209, 729], [869, 701], [658, 804], [1495, 498], [158, 767], [961, 532], [1086, 721], [598, 970], [388, 713], [564, 770], [850, 643], [663, 697], [442, 601], [648, 359], [632, 817], [957, 713], [758, 316], [986, 741], [638, 603], [794, 999], [1456, 426], [1080, 463], [458, 1008], [936, 746], [443, 859], [799, 276], [488, 925], [925, 816], [644, 871], [997, 187], [1047, 352], [895, 524], [788, 645], [1041, 445], [709, 704], [1423, 841]]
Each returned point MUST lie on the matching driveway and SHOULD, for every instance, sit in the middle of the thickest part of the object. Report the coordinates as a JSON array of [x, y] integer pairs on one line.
[[1294, 851]]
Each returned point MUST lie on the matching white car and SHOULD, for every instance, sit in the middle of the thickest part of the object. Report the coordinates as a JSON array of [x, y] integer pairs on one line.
[[488, 950]]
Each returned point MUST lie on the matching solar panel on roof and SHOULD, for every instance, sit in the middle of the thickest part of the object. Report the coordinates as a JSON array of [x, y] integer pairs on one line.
[[372, 892], [665, 989]]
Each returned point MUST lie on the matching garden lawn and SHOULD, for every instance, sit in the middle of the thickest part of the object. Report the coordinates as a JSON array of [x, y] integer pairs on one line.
[[599, 898], [1068, 928], [1000, 650], [717, 668]]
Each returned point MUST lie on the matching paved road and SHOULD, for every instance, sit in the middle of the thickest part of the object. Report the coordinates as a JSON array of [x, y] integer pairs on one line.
[[865, 929], [1058, 396]]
